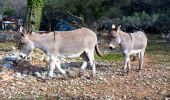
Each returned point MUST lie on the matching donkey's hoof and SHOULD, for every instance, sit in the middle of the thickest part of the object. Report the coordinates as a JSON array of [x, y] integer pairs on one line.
[[122, 74], [66, 75], [137, 70], [81, 73], [125, 71], [47, 79], [71, 75], [93, 76]]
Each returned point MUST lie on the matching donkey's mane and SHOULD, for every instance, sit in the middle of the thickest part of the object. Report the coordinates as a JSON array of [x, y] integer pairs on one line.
[[43, 32]]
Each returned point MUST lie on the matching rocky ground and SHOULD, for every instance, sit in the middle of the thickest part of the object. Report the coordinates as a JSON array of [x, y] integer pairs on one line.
[[25, 79]]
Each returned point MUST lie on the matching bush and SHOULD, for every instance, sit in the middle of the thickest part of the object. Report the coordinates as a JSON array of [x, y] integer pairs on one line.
[[140, 19], [8, 11]]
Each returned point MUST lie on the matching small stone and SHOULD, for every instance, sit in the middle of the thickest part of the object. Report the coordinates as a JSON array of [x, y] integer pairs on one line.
[[147, 98], [43, 88], [1, 58], [24, 75], [18, 75], [46, 59], [8, 65], [41, 59], [25, 72], [11, 57], [37, 74], [108, 98], [44, 74], [100, 98]]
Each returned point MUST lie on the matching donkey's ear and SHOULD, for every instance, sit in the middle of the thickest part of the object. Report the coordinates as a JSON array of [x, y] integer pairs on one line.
[[30, 31], [22, 30], [119, 27], [22, 35]]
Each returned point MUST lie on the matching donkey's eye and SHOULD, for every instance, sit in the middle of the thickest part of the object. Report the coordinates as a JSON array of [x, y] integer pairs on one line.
[[23, 43], [113, 37]]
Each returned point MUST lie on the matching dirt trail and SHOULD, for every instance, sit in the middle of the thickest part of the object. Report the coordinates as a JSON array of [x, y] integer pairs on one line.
[[150, 83]]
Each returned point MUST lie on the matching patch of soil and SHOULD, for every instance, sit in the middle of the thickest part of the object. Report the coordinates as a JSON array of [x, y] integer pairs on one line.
[[151, 83]]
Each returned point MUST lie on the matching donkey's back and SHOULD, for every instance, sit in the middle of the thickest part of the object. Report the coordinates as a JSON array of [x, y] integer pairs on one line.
[[139, 41]]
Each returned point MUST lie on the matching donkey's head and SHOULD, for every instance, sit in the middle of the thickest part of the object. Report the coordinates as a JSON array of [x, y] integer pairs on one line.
[[25, 44], [115, 38]]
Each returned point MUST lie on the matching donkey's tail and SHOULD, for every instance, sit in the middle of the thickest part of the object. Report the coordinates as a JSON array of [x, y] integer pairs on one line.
[[98, 51]]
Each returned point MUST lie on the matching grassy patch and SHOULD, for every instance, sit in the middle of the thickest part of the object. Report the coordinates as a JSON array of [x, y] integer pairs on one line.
[[7, 44], [110, 57], [157, 48], [154, 47]]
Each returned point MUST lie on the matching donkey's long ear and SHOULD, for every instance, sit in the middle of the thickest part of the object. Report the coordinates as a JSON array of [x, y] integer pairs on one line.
[[22, 30], [29, 31], [119, 27]]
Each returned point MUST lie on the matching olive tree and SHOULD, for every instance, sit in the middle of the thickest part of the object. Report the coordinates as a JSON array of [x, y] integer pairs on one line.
[[34, 13]]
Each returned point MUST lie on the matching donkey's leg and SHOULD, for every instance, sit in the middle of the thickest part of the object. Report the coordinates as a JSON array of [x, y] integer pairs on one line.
[[54, 62], [127, 59], [141, 60], [139, 57], [128, 64], [92, 62], [58, 65], [51, 66], [84, 65]]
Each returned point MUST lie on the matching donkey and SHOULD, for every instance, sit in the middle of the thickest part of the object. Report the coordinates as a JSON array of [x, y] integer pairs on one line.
[[131, 43], [62, 44]]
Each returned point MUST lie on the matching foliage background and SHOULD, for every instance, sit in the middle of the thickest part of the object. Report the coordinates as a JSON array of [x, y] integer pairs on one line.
[[152, 16]]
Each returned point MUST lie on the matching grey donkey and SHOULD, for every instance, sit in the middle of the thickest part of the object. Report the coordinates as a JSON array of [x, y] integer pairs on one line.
[[131, 43], [62, 44]]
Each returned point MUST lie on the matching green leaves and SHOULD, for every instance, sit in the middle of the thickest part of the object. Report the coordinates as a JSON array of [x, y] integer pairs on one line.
[[110, 57], [34, 13], [8, 11]]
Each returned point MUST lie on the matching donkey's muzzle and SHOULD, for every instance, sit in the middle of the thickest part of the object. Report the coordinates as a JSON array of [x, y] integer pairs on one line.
[[111, 48], [23, 57]]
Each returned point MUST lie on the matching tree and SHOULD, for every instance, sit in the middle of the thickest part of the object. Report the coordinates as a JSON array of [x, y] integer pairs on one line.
[[1, 6], [34, 13]]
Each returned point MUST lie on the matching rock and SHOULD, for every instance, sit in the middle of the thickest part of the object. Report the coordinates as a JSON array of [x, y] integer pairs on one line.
[[46, 59], [18, 75], [22, 62], [11, 57], [9, 36], [100, 98], [38, 74], [147, 98], [2, 72], [1, 57], [43, 88], [108, 98], [44, 74], [14, 48], [41, 59], [25, 72], [24, 75], [6, 76], [8, 65]]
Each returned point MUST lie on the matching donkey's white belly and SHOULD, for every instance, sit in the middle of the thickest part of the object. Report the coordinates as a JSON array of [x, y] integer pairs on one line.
[[69, 56], [135, 51]]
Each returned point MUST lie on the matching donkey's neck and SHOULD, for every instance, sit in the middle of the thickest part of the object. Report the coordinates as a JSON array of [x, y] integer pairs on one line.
[[121, 33], [40, 41], [126, 40]]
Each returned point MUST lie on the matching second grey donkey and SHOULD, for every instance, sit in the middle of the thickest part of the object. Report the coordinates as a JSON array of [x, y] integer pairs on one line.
[[131, 43], [66, 44]]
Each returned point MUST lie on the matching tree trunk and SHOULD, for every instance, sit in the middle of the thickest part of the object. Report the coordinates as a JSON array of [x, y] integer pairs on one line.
[[34, 13]]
